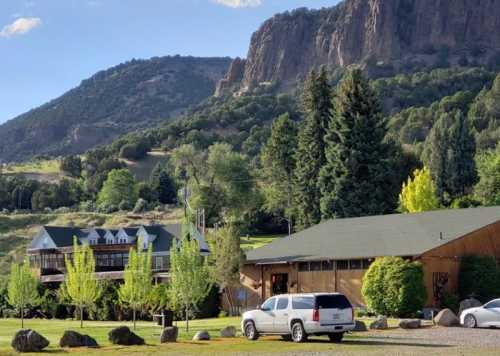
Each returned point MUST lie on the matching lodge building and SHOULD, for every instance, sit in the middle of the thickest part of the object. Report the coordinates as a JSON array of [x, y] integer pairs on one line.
[[111, 247], [334, 255]]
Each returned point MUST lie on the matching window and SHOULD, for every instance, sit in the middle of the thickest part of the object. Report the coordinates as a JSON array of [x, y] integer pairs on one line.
[[303, 266], [303, 302], [332, 302], [356, 264], [493, 304], [343, 264], [327, 265], [315, 266], [282, 304], [268, 304], [366, 264]]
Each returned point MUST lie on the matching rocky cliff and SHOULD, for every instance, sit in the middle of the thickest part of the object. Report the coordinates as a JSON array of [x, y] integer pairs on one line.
[[386, 36]]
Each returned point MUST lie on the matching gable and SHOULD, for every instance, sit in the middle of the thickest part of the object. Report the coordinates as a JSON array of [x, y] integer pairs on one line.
[[42, 241]]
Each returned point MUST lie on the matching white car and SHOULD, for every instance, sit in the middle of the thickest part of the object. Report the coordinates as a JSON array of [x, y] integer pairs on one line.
[[295, 316], [485, 316]]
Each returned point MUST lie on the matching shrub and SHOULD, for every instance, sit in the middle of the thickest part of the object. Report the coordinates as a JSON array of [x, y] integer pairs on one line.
[[140, 206], [479, 277], [393, 286]]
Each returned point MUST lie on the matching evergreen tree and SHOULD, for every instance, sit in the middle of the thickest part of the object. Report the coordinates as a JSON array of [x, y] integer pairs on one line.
[[310, 155], [358, 178], [22, 288], [138, 279], [162, 185], [278, 163], [449, 154], [81, 286], [419, 193]]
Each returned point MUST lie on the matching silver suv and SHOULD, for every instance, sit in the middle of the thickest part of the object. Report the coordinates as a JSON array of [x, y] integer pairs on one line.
[[296, 316]]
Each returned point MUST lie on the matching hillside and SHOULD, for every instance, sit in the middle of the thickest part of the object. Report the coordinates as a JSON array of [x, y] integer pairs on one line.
[[386, 36], [133, 95]]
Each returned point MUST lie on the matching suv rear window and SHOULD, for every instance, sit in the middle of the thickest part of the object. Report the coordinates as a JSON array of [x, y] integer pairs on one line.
[[303, 302], [332, 302]]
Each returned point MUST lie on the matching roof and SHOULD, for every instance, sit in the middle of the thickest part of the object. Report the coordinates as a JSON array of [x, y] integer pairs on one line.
[[374, 236], [63, 236], [131, 231]]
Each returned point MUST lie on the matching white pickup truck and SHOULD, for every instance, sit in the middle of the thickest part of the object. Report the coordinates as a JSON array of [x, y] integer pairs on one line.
[[295, 316]]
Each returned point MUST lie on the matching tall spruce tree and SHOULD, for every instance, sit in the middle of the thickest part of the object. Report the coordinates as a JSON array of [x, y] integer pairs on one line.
[[357, 179], [278, 161], [310, 155], [449, 154]]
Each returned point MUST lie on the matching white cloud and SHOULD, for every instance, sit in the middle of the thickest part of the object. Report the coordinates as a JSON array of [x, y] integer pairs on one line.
[[21, 26], [239, 3]]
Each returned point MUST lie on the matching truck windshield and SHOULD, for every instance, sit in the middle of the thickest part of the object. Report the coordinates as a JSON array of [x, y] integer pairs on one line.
[[332, 302]]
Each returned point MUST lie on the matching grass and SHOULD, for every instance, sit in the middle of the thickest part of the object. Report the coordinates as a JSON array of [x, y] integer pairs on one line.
[[40, 167], [253, 242], [373, 343]]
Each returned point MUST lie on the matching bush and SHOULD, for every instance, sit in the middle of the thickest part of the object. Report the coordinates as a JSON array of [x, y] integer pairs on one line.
[[140, 206], [479, 277], [395, 287]]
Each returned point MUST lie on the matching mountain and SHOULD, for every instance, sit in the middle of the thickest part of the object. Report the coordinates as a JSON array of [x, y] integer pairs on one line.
[[130, 96], [385, 36]]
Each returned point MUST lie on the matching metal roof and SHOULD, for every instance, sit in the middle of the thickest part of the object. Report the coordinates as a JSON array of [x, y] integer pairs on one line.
[[374, 236]]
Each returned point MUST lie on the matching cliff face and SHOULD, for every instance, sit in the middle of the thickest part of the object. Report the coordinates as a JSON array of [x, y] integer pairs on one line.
[[388, 36]]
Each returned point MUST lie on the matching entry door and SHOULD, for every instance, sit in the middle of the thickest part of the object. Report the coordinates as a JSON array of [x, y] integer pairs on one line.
[[279, 283]]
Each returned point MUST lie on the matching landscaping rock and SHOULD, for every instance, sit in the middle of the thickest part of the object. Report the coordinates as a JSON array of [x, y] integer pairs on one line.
[[169, 334], [73, 339], [27, 340], [360, 326], [123, 336], [446, 318], [228, 331], [468, 303], [380, 323], [410, 323], [201, 335]]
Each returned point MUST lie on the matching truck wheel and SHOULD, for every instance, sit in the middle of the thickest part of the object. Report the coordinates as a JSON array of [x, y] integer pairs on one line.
[[470, 321], [298, 332], [336, 337], [251, 332]]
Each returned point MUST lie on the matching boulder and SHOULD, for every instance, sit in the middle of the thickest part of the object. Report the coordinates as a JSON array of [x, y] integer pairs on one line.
[[123, 336], [201, 335], [468, 303], [410, 323], [446, 318], [360, 326], [169, 334], [228, 331], [27, 340], [380, 323], [73, 339]]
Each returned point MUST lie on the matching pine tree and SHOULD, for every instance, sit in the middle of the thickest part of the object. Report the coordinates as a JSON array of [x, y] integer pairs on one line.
[[190, 277], [137, 288], [310, 155], [162, 185], [357, 179], [449, 154], [22, 288], [419, 193], [81, 285], [278, 163]]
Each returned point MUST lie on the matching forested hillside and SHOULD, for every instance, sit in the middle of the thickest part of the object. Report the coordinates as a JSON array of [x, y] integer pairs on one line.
[[130, 96]]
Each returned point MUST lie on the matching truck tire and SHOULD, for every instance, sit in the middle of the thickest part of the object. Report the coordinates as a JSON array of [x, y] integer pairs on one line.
[[298, 332], [251, 332]]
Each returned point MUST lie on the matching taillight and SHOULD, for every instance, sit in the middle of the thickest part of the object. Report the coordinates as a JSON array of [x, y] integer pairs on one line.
[[315, 315]]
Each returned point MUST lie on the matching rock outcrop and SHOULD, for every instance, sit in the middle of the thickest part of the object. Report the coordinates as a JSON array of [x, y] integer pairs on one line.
[[386, 36], [169, 334], [446, 318], [27, 340], [73, 339], [123, 336]]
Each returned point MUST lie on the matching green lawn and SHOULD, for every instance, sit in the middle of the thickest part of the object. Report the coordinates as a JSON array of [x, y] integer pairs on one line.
[[373, 343], [253, 242]]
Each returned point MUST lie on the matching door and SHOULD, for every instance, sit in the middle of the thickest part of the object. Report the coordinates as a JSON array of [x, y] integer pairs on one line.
[[334, 309], [281, 315], [279, 283], [490, 314], [264, 320]]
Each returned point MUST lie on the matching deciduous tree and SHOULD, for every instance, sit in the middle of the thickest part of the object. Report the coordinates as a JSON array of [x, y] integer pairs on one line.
[[419, 193], [119, 187], [22, 288]]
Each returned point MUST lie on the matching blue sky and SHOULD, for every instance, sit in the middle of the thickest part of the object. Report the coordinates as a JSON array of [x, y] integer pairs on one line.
[[49, 46]]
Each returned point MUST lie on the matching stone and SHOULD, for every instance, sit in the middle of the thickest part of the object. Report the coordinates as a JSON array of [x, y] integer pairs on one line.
[[228, 331], [123, 336], [27, 340], [169, 334], [380, 323], [73, 339], [446, 318], [468, 303], [201, 335], [410, 323], [360, 326]]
